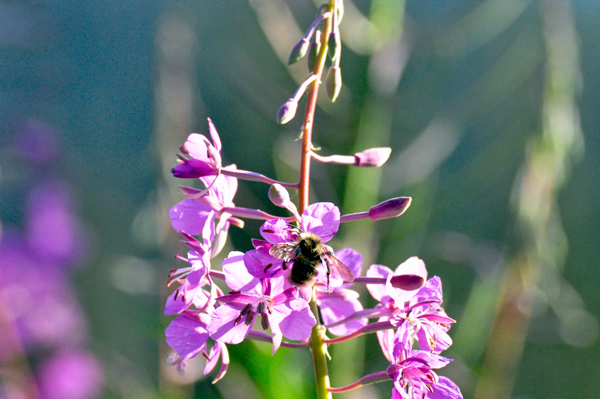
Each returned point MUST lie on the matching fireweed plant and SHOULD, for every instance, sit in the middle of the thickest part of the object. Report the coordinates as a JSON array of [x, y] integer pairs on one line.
[[292, 285]]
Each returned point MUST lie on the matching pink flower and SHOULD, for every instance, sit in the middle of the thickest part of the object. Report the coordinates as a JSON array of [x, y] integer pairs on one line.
[[414, 378], [392, 298], [424, 319], [72, 374], [279, 309], [205, 157], [191, 214], [193, 277], [187, 336]]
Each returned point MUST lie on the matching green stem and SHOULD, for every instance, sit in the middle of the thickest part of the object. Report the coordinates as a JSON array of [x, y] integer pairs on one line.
[[318, 347], [319, 351]]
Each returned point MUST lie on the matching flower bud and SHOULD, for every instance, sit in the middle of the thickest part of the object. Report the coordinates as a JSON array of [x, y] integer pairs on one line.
[[333, 82], [333, 44], [313, 54], [193, 168], [391, 208], [281, 198], [279, 195], [298, 51], [287, 111], [407, 282], [373, 157]]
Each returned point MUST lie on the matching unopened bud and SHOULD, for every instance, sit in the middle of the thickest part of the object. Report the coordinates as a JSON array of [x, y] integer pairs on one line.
[[281, 198], [333, 44], [333, 83], [407, 282], [373, 157], [392, 369], [299, 51], [287, 111], [391, 208], [279, 195], [313, 54]]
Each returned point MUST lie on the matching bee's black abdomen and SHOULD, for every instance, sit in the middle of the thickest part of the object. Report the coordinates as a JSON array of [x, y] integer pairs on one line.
[[303, 271]]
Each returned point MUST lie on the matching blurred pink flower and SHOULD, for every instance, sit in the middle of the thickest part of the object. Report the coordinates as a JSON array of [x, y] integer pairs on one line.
[[74, 374]]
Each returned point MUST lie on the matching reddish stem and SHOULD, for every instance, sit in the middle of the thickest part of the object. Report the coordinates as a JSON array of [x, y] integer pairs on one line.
[[366, 380]]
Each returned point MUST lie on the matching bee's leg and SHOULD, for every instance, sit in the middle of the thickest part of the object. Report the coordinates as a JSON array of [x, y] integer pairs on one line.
[[283, 265], [324, 261], [295, 230]]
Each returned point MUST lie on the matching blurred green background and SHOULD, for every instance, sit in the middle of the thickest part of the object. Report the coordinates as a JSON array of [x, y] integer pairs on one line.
[[490, 108]]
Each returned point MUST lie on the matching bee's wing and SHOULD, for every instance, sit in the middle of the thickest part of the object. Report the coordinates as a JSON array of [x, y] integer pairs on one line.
[[338, 269], [283, 251]]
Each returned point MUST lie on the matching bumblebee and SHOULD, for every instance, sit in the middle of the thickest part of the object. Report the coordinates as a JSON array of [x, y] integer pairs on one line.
[[306, 255]]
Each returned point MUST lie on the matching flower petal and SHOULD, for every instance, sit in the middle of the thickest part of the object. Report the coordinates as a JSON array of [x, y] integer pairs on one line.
[[352, 259], [336, 307], [322, 219], [187, 335], [186, 295], [189, 216], [295, 319], [445, 389], [237, 277], [223, 326], [262, 265], [379, 291], [214, 135], [224, 361], [276, 231], [197, 146]]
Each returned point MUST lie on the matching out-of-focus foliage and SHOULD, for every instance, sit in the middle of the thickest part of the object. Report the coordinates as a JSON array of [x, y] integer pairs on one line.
[[472, 96]]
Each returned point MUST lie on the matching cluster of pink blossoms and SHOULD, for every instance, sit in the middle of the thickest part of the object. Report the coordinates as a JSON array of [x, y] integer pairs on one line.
[[409, 312]]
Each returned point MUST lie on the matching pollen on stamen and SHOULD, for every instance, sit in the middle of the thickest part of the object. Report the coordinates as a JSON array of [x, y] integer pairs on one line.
[[267, 267], [264, 321], [268, 231], [183, 149], [246, 309], [235, 323], [249, 318]]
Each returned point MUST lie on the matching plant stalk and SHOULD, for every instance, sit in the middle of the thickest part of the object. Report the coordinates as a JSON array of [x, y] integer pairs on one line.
[[318, 347]]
